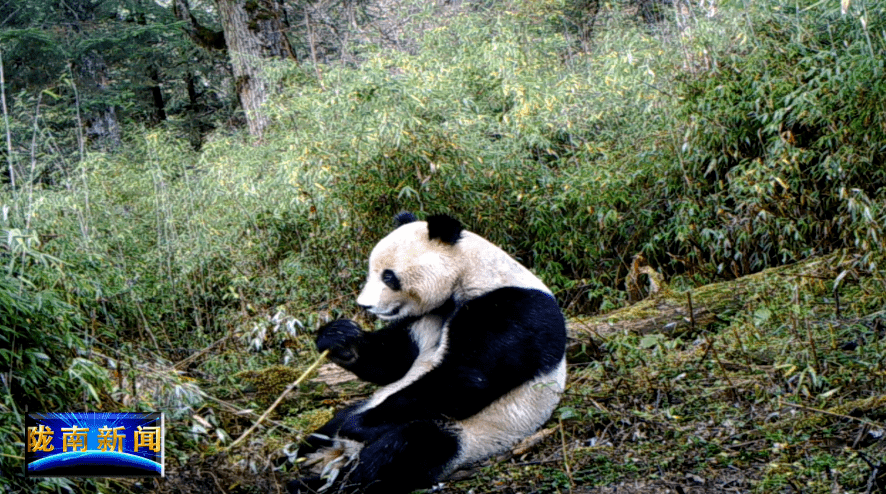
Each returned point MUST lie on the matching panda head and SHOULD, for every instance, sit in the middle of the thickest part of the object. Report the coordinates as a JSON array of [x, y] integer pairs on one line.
[[415, 269]]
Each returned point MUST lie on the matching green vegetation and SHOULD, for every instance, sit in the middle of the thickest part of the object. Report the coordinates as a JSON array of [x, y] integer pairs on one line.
[[786, 394], [712, 144]]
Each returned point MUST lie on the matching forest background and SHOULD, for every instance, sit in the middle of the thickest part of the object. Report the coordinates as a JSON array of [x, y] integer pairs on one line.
[[190, 188]]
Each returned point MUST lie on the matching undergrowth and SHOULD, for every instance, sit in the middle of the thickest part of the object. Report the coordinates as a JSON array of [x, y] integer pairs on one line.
[[787, 395], [710, 145]]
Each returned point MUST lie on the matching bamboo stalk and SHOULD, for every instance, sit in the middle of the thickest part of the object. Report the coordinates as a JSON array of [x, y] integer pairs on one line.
[[279, 399], [6, 120]]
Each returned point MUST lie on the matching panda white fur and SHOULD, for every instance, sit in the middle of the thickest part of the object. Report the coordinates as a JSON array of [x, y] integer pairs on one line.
[[473, 361]]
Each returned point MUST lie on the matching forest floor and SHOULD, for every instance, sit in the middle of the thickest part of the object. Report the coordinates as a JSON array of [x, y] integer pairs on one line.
[[774, 382]]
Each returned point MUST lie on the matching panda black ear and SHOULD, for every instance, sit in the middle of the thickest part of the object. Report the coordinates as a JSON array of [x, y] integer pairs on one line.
[[447, 229], [403, 217]]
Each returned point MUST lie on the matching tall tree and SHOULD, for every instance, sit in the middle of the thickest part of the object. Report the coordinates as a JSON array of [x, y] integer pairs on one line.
[[101, 120], [254, 32]]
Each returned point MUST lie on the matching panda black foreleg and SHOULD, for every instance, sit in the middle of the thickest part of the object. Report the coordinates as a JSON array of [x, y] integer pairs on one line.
[[379, 357], [405, 458]]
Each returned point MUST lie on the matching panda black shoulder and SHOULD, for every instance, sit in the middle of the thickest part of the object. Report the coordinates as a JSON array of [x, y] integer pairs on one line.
[[445, 228]]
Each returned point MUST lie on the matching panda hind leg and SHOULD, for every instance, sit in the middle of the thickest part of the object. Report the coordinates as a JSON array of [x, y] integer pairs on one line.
[[404, 459]]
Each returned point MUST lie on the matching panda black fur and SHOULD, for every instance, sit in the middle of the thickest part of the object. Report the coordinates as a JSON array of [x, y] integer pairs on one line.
[[472, 362]]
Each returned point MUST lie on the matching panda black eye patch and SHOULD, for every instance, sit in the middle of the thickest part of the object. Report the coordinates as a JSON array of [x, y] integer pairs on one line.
[[389, 278]]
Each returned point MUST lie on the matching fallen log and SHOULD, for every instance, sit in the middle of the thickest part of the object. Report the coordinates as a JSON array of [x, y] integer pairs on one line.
[[685, 313]]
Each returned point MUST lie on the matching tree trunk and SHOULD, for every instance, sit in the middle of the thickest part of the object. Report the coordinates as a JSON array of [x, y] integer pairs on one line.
[[254, 32], [101, 123], [195, 134], [159, 113], [199, 34]]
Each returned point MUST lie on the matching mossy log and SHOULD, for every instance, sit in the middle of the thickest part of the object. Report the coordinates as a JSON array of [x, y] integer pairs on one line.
[[667, 311]]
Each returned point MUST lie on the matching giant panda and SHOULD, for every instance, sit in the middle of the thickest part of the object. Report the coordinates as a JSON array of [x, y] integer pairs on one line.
[[471, 362]]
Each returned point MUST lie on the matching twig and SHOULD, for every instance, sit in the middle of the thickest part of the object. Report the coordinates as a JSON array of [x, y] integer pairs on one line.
[[310, 30], [832, 414], [816, 364], [243, 412], [874, 478], [565, 456], [197, 355], [732, 391], [837, 300], [795, 305], [280, 398]]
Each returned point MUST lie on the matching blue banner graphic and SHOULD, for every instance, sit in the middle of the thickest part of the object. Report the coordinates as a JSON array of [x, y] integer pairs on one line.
[[94, 444]]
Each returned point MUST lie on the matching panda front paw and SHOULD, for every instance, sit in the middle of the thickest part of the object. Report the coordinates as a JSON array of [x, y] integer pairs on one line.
[[341, 337]]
